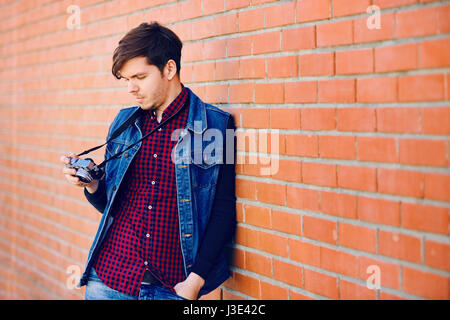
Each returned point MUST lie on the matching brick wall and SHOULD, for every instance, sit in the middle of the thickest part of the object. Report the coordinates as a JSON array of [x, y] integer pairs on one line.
[[348, 181]]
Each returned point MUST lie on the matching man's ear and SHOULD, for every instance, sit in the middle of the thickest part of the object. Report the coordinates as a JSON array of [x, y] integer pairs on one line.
[[170, 69]]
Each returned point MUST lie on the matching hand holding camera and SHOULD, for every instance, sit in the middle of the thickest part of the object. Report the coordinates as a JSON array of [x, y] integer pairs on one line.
[[81, 172]]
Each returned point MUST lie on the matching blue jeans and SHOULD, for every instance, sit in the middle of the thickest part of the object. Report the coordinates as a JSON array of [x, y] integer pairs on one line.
[[97, 290]]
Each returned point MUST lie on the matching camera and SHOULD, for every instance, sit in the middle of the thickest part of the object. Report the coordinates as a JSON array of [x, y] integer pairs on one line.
[[84, 173]]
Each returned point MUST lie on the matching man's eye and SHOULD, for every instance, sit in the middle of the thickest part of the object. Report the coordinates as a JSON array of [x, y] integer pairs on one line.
[[140, 78]]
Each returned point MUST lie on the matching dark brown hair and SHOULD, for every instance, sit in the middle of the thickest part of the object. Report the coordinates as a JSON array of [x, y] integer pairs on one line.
[[154, 41]]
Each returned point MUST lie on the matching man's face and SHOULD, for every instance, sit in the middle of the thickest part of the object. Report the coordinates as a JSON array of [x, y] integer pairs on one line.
[[146, 83]]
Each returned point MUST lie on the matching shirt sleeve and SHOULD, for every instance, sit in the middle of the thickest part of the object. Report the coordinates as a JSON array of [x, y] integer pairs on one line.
[[98, 199], [222, 221]]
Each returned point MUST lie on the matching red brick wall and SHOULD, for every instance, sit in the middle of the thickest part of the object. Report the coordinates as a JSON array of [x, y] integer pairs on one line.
[[357, 121]]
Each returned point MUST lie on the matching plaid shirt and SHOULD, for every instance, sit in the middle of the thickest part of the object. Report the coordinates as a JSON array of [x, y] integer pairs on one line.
[[145, 234]]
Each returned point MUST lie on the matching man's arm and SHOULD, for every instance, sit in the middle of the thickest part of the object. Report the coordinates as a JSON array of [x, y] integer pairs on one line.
[[221, 222], [98, 196]]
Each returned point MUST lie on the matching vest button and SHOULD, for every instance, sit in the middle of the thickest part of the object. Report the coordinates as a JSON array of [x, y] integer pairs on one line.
[[114, 188]]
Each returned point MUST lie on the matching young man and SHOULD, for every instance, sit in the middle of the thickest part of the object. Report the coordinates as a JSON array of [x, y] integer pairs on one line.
[[168, 203]]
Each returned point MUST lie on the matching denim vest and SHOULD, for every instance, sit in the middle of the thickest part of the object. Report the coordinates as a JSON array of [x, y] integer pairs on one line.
[[196, 174]]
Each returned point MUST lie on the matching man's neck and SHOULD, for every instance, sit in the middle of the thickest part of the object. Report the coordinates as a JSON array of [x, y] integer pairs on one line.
[[174, 91]]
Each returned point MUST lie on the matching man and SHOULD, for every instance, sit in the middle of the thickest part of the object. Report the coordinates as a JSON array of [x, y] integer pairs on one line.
[[168, 205]]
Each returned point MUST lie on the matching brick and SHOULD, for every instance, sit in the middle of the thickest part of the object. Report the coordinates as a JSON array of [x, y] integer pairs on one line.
[[216, 93], [203, 72], [282, 67], [421, 88], [354, 61], [288, 170], [299, 38], [432, 53], [425, 284], [444, 19], [396, 58], [255, 118], [320, 229], [302, 198], [274, 244], [436, 120], [389, 275], [239, 46], [318, 119], [281, 14], [257, 216], [379, 211], [321, 283], [241, 93], [287, 273], [317, 64], [380, 89], [215, 49], [302, 145], [363, 34], [400, 182], [345, 7], [437, 186], [300, 92], [251, 19], [319, 174], [353, 291], [191, 9], [399, 120], [338, 147], [400, 246], [245, 189], [252, 68], [286, 222], [338, 204], [266, 42], [313, 10], [226, 24], [358, 178], [437, 255], [383, 4], [245, 284], [258, 263], [426, 218], [227, 70], [339, 262], [236, 4], [304, 252], [269, 93], [271, 193], [376, 149], [415, 23], [357, 237], [334, 33], [273, 292], [423, 152], [356, 119], [341, 90], [285, 118]]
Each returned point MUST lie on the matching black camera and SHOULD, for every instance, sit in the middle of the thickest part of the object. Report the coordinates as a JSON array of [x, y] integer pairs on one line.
[[85, 173]]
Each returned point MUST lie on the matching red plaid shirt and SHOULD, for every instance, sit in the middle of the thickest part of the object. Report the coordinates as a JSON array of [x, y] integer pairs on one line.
[[145, 234]]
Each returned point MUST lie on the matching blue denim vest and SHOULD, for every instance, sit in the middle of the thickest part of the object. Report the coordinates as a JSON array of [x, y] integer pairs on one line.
[[196, 177]]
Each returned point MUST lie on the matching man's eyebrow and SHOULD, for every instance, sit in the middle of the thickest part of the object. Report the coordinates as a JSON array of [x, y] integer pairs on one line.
[[135, 75]]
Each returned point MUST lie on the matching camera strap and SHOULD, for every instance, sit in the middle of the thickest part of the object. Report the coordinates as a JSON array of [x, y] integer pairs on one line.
[[122, 127]]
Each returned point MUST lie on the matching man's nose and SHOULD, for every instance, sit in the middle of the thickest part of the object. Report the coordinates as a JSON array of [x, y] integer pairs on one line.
[[132, 87]]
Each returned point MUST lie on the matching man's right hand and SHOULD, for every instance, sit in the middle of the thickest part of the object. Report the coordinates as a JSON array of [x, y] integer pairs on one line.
[[69, 175]]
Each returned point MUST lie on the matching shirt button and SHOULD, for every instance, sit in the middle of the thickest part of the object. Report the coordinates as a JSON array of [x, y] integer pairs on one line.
[[148, 235], [150, 207], [153, 182], [159, 129], [145, 262], [155, 155]]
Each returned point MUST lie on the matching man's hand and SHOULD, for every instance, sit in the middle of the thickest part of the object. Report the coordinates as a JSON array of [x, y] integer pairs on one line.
[[69, 174], [190, 287]]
